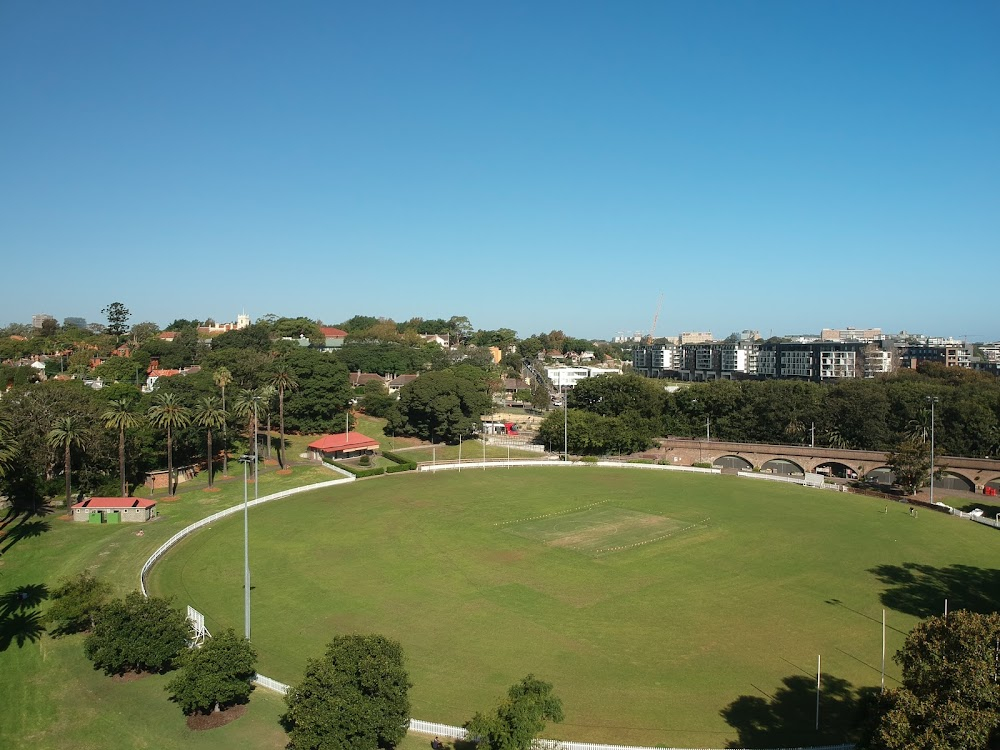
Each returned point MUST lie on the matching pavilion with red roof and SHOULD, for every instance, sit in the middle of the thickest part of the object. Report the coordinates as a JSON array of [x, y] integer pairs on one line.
[[114, 510], [342, 445]]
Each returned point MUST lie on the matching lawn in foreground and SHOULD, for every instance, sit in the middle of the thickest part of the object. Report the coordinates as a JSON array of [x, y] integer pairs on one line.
[[51, 697], [666, 608]]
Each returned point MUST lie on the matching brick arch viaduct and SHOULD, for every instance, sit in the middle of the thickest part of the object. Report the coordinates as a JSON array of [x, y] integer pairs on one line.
[[685, 451]]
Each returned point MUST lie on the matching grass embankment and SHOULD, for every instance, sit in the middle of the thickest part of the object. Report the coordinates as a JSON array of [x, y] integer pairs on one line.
[[656, 625]]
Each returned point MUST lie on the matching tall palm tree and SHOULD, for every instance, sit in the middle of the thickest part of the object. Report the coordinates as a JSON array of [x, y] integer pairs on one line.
[[268, 393], [222, 378], [168, 413], [920, 426], [121, 417], [208, 414], [249, 405], [8, 445], [64, 436], [284, 380]]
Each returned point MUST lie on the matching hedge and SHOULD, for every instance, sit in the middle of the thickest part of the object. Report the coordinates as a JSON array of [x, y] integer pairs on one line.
[[402, 464]]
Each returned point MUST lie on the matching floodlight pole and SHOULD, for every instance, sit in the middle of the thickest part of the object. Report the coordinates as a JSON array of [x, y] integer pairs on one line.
[[565, 426], [933, 400], [883, 650], [817, 690], [246, 553], [460, 453]]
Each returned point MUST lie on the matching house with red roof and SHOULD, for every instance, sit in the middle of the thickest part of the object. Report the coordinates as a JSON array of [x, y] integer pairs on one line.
[[333, 338], [114, 510], [342, 445], [359, 379]]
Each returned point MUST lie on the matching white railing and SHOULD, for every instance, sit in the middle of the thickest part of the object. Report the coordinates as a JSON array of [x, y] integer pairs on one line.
[[222, 514], [267, 682]]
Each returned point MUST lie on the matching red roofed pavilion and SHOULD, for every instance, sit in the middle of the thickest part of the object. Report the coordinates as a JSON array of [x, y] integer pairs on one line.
[[114, 510], [342, 445]]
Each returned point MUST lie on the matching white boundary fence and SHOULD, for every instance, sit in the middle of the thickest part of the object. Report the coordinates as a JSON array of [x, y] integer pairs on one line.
[[417, 725]]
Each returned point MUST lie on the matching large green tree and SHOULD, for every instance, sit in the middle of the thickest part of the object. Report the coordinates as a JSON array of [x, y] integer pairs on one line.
[[353, 698], [136, 634], [323, 395], [950, 696], [519, 718], [118, 316], [215, 676], [910, 461], [443, 405], [169, 414], [75, 603], [66, 434]]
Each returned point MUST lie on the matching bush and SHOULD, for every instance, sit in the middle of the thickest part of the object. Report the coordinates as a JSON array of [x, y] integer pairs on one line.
[[397, 459], [702, 465], [365, 460], [589, 459], [360, 473]]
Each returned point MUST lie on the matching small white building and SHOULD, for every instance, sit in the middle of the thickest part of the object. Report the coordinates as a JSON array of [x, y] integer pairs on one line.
[[567, 377]]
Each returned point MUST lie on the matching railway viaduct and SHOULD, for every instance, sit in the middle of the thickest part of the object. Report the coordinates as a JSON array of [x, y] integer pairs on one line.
[[971, 473]]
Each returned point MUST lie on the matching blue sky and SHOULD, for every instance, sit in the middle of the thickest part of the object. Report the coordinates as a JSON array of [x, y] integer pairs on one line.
[[784, 166]]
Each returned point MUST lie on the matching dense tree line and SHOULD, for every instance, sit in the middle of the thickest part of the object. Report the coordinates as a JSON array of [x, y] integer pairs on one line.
[[876, 414]]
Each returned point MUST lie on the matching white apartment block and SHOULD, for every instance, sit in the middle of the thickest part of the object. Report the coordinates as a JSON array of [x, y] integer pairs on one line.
[[740, 356], [567, 377]]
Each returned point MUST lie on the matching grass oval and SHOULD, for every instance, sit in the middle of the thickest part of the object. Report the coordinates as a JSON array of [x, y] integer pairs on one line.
[[666, 608]]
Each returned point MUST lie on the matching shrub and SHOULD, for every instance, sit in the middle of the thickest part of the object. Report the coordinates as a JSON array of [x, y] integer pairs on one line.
[[365, 460], [589, 459], [702, 465], [77, 600]]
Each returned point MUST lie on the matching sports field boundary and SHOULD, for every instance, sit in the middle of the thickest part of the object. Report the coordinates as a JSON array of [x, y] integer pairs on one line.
[[418, 725]]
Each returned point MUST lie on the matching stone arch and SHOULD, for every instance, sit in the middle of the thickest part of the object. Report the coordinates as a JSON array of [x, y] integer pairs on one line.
[[949, 480], [836, 469], [783, 466], [733, 462]]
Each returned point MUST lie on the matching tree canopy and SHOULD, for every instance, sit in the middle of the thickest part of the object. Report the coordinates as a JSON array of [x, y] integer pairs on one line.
[[519, 718], [218, 674], [442, 405], [353, 698], [136, 634], [950, 696]]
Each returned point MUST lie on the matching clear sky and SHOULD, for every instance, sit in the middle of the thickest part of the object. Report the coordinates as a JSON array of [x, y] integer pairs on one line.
[[783, 166]]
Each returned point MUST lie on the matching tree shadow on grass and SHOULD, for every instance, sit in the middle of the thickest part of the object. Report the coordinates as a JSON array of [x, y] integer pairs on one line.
[[920, 590], [23, 530], [20, 620], [788, 718]]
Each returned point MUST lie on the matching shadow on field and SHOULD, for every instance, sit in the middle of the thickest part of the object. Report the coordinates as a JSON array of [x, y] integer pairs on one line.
[[23, 530], [920, 590], [20, 620], [788, 718]]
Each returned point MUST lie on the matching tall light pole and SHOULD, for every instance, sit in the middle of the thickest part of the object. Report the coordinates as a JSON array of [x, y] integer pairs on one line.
[[565, 427], [708, 426], [245, 459], [933, 400]]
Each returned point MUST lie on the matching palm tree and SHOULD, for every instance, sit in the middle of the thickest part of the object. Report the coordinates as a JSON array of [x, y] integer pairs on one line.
[[121, 417], [66, 435], [283, 380], [8, 445], [168, 413], [248, 405], [920, 426], [209, 415], [222, 378]]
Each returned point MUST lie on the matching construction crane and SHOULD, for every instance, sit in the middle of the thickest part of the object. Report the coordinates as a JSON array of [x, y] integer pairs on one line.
[[656, 317]]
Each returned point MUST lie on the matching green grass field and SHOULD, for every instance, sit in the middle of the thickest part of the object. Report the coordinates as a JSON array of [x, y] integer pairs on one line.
[[666, 608]]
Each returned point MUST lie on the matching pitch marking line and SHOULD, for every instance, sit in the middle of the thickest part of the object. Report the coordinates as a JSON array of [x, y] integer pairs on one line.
[[654, 539], [557, 513]]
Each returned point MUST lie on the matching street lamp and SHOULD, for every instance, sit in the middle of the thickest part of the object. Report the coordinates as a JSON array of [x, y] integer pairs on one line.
[[245, 459], [933, 400]]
